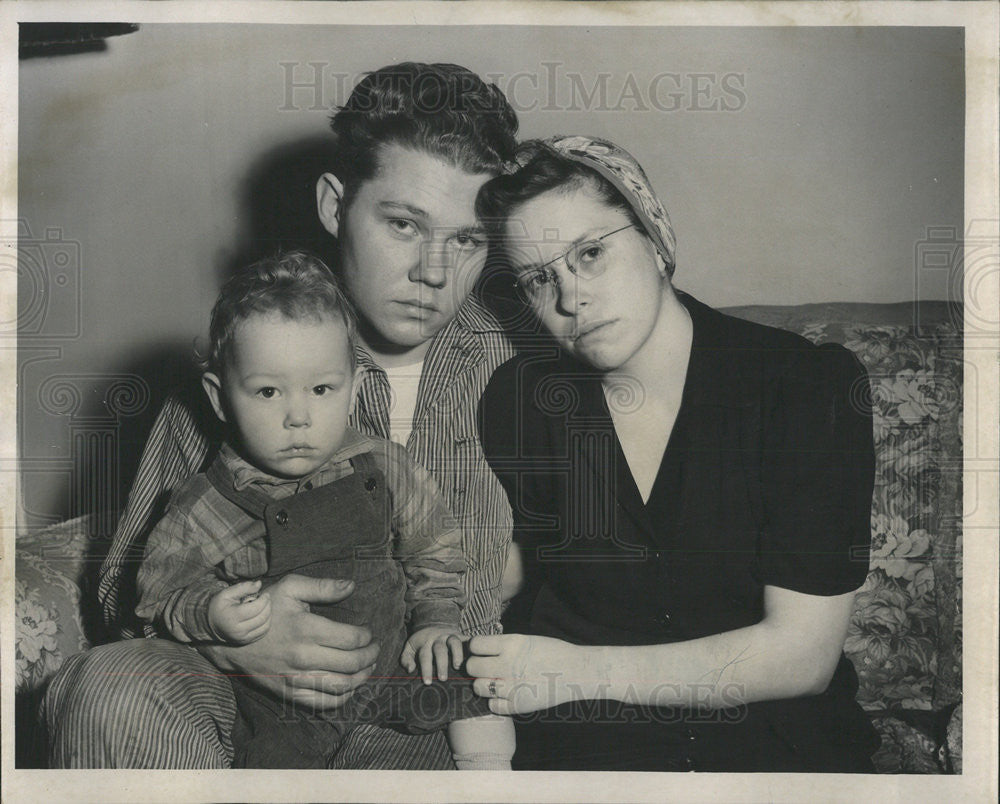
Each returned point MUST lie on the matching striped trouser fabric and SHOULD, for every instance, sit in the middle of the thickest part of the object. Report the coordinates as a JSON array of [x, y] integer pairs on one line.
[[153, 703]]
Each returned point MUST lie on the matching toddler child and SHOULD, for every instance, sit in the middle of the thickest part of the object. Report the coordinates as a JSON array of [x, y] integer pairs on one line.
[[296, 489]]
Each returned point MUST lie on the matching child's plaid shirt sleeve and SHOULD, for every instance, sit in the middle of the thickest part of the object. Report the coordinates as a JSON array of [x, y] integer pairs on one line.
[[202, 544], [428, 542]]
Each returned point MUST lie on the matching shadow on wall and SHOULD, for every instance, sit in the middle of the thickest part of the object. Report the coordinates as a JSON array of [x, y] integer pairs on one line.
[[278, 204]]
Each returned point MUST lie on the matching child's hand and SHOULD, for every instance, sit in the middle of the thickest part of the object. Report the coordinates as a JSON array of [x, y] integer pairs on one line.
[[430, 646], [238, 614]]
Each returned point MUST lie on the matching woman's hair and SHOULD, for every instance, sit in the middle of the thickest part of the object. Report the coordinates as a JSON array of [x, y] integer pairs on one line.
[[294, 284], [442, 109], [543, 169]]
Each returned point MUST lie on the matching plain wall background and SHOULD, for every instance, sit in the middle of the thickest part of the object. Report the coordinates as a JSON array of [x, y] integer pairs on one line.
[[157, 164]]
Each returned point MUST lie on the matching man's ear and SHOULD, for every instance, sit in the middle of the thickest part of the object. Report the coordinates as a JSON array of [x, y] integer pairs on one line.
[[330, 202], [359, 373], [213, 387]]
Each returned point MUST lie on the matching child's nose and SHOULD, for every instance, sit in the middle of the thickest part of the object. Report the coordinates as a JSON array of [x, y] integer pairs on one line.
[[297, 416]]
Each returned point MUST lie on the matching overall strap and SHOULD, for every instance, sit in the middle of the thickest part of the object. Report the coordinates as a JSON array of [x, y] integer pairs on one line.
[[364, 463], [250, 500]]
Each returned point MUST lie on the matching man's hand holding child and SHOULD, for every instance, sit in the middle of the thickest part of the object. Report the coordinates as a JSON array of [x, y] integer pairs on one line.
[[240, 615], [432, 646]]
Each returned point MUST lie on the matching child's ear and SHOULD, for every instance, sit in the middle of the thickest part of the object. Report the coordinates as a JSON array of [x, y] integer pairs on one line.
[[330, 202], [359, 373], [213, 387]]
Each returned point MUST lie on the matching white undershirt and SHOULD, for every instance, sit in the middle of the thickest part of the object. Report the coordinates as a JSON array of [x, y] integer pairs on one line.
[[404, 382]]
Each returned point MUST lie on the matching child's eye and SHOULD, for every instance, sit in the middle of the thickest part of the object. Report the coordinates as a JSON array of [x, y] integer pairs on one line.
[[319, 390], [267, 392]]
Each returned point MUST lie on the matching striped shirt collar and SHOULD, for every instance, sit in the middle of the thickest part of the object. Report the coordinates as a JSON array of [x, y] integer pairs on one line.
[[246, 474]]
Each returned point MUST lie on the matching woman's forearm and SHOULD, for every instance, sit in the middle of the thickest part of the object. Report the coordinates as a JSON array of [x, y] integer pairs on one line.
[[792, 652]]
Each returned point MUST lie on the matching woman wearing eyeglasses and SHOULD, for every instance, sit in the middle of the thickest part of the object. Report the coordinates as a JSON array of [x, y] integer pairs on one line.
[[691, 496]]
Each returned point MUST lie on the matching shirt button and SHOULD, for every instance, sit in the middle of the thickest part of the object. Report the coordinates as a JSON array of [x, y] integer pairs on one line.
[[308, 485], [281, 517], [371, 484]]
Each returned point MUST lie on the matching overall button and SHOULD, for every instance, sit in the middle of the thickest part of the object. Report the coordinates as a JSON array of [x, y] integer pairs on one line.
[[281, 517], [371, 484]]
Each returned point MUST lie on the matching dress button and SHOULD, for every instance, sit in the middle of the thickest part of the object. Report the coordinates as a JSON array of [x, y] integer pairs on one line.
[[662, 620], [689, 763], [281, 517], [371, 483]]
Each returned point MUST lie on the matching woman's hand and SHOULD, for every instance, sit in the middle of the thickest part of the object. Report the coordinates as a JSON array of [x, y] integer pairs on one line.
[[521, 674]]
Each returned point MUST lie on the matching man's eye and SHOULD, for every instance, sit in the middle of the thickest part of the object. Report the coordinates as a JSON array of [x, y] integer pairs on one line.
[[402, 226], [267, 392]]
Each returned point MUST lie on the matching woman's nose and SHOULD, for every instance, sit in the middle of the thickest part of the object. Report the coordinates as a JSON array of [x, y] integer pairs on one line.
[[571, 295]]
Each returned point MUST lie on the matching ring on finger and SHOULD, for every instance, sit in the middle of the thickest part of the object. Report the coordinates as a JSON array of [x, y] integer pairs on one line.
[[493, 688]]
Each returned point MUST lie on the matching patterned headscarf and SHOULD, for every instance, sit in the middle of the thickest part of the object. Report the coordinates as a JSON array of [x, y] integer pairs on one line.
[[626, 175]]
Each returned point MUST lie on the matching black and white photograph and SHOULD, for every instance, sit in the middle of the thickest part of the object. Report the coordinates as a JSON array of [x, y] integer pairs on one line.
[[597, 397]]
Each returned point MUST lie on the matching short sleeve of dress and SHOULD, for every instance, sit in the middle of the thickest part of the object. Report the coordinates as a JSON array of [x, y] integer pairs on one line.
[[817, 473]]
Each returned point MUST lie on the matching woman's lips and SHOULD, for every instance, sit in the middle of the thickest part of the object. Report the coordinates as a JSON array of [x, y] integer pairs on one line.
[[590, 329]]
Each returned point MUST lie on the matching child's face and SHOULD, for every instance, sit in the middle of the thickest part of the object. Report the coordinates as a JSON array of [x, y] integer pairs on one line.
[[288, 390]]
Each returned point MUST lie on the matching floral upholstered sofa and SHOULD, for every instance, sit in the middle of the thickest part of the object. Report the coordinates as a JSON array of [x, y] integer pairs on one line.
[[905, 636]]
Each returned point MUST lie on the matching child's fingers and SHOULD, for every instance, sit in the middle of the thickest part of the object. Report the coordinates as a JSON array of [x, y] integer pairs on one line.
[[257, 632], [457, 653], [427, 662], [262, 617], [253, 607], [407, 657], [441, 658], [240, 590]]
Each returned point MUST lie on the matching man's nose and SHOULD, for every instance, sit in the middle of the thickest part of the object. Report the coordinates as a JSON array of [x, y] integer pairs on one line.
[[432, 265]]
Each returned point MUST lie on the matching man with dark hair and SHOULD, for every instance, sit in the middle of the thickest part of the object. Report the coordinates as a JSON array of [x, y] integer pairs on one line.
[[413, 145]]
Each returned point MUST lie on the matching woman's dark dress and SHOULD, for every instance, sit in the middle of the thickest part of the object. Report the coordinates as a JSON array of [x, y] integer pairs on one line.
[[766, 480]]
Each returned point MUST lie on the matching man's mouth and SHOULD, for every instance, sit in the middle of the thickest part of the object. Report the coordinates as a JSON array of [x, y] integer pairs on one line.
[[418, 305]]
